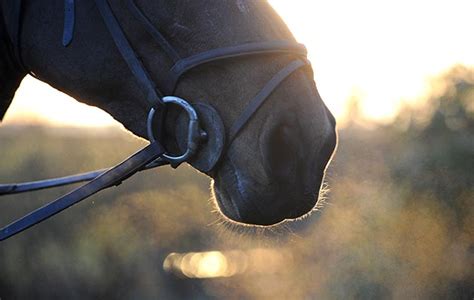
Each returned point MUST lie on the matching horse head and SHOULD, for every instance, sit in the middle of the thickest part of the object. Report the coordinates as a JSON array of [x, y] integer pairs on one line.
[[274, 169]]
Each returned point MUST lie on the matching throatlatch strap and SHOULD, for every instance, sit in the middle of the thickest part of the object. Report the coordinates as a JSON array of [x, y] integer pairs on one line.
[[263, 95], [109, 178], [69, 22], [128, 53]]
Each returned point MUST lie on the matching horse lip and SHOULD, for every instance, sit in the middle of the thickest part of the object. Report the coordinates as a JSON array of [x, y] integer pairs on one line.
[[244, 213], [233, 194], [231, 210], [226, 203], [302, 210], [240, 209]]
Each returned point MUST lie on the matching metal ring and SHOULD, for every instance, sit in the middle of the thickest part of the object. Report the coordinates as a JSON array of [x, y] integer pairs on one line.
[[193, 129]]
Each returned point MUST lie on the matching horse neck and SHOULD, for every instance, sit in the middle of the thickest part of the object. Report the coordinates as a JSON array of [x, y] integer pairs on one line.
[[10, 74]]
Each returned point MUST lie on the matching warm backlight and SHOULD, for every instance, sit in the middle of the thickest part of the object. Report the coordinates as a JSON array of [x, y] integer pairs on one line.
[[381, 52]]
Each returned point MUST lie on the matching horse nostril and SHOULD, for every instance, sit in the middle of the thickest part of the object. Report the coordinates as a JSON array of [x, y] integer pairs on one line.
[[280, 152]]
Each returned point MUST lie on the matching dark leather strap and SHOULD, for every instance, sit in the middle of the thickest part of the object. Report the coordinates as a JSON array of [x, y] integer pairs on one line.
[[69, 22], [109, 178], [128, 54], [17, 188], [154, 32], [260, 98], [269, 47]]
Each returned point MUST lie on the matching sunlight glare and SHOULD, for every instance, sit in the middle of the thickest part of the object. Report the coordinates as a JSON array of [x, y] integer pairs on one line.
[[214, 264], [36, 102], [386, 51]]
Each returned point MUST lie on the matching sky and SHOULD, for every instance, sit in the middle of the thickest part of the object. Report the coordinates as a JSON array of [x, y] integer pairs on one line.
[[385, 53]]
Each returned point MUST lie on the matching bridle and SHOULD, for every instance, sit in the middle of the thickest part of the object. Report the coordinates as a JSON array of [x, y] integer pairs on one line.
[[154, 154]]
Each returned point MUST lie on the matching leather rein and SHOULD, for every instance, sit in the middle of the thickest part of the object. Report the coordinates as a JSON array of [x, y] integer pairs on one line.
[[154, 154]]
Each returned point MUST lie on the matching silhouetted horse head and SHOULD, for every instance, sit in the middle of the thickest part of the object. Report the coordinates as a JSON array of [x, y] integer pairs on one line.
[[273, 171]]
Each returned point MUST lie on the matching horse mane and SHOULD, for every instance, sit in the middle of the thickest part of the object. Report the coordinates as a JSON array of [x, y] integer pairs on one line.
[[10, 75]]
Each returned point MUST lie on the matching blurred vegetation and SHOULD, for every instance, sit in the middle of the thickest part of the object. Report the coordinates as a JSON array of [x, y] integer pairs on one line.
[[398, 222]]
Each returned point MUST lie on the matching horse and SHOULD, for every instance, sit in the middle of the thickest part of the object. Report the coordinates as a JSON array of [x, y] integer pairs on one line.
[[272, 172]]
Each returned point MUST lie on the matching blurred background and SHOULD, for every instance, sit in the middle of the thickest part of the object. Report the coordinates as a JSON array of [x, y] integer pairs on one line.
[[398, 214]]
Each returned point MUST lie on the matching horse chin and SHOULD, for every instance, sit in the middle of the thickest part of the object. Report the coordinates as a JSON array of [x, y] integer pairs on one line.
[[230, 212], [229, 218]]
